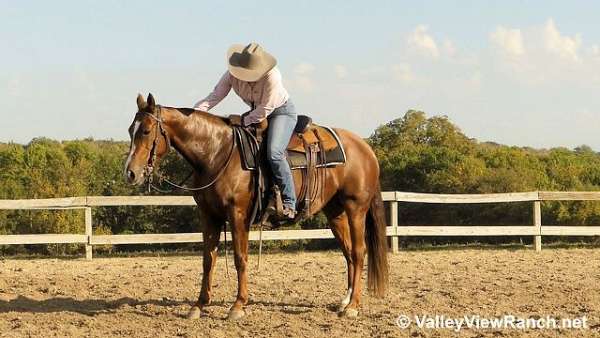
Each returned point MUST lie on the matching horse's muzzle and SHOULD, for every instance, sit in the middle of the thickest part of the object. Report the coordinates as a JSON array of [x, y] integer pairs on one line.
[[134, 178]]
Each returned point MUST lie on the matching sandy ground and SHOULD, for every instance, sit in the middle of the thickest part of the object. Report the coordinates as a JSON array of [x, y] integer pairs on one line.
[[295, 295]]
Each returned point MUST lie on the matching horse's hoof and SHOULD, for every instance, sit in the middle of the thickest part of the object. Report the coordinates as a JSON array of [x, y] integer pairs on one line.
[[235, 314], [341, 308], [194, 313], [350, 313]]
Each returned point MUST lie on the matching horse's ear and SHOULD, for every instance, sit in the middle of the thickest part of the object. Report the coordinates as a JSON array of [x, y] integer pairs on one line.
[[151, 102], [141, 103]]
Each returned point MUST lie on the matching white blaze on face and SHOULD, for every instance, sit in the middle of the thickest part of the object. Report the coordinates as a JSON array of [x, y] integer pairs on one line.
[[132, 146]]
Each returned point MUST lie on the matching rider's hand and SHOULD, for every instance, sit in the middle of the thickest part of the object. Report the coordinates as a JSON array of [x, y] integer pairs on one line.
[[199, 106]]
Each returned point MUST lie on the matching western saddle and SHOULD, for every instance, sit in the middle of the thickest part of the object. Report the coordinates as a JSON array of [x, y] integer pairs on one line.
[[311, 150]]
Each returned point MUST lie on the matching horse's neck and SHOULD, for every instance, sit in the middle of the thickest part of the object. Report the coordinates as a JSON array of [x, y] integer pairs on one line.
[[201, 138]]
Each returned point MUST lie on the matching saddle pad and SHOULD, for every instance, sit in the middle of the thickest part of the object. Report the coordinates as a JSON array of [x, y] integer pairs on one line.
[[334, 151]]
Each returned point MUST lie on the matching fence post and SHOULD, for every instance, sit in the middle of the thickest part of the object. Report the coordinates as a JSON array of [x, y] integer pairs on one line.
[[394, 221], [537, 223], [88, 232]]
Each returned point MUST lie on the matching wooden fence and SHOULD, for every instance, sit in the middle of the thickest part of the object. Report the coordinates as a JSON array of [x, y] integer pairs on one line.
[[535, 229]]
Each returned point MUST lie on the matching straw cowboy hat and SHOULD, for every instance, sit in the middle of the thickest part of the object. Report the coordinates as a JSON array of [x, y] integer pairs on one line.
[[249, 63]]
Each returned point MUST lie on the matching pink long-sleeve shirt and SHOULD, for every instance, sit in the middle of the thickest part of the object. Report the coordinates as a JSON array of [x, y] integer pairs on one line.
[[264, 95]]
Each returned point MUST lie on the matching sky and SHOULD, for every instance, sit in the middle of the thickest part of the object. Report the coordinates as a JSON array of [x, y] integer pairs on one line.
[[523, 73]]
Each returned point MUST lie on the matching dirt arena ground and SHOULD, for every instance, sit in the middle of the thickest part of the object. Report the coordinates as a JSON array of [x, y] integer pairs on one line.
[[295, 295]]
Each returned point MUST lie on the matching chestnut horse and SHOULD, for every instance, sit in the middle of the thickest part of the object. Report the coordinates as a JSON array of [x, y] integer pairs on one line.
[[351, 199]]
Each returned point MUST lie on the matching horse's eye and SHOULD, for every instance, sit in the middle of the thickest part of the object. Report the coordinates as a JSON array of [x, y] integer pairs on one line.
[[146, 131]]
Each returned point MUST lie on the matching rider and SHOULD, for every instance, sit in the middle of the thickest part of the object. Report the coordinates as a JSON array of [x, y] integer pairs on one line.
[[253, 75]]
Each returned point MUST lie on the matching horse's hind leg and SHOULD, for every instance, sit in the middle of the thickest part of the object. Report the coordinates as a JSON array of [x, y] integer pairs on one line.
[[211, 233], [338, 220]]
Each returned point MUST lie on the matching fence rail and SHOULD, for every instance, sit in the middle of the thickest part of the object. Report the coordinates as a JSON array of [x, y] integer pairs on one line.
[[394, 231]]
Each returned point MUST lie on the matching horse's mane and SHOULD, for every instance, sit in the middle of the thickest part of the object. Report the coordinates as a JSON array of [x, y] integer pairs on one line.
[[191, 111]]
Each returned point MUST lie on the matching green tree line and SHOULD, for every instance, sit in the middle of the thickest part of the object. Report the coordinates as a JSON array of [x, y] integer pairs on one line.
[[416, 153], [45, 168], [433, 155]]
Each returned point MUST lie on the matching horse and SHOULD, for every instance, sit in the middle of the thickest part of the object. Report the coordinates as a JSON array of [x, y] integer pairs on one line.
[[351, 198]]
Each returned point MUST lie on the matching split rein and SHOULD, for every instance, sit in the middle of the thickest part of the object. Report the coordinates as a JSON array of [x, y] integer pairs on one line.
[[149, 169]]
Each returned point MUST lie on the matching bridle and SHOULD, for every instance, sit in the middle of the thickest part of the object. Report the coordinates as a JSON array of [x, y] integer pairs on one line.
[[149, 166], [160, 129]]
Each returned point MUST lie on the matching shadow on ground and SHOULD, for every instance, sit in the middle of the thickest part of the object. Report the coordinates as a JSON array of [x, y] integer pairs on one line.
[[93, 307], [88, 307]]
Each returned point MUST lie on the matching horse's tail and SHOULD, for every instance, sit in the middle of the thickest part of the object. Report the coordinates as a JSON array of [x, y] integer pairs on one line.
[[377, 246]]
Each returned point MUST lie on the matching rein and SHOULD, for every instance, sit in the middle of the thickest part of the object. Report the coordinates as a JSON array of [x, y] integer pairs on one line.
[[149, 169]]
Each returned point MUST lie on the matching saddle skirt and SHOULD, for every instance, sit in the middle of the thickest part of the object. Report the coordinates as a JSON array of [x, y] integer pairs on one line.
[[324, 142]]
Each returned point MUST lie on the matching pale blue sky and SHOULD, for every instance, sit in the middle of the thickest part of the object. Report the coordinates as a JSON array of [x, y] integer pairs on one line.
[[514, 72]]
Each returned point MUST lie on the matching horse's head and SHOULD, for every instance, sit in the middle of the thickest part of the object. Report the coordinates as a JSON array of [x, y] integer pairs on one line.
[[149, 141]]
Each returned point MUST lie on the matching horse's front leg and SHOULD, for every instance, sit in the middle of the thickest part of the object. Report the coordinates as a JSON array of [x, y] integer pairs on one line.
[[211, 233], [239, 233]]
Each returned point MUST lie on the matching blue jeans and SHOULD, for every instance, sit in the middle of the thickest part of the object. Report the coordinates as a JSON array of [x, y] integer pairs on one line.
[[281, 126]]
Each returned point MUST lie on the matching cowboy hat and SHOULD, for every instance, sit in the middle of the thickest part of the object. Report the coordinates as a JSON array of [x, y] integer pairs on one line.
[[249, 63]]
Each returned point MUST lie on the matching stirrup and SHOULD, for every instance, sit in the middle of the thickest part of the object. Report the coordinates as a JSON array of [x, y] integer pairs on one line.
[[274, 215]]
